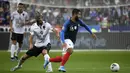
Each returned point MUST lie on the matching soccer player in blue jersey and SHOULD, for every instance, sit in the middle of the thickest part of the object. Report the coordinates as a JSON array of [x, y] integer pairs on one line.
[[68, 38]]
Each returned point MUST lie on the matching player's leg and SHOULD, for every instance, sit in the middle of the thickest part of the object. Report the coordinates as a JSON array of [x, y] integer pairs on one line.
[[49, 68], [13, 46], [48, 47], [57, 58], [68, 52], [20, 42], [32, 52], [49, 65], [46, 57], [46, 61], [65, 59], [21, 61]]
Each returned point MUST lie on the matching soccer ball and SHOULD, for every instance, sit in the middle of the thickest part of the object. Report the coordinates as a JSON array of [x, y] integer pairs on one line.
[[114, 67]]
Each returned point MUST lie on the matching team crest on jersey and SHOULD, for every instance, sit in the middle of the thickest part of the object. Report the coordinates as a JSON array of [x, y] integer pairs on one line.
[[44, 27], [75, 27], [72, 28], [23, 14]]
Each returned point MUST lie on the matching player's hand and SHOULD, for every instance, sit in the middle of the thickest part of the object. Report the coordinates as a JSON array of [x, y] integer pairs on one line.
[[94, 36], [64, 45], [30, 46]]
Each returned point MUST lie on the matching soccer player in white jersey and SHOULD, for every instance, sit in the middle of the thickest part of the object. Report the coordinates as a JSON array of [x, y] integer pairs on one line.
[[18, 19], [40, 30]]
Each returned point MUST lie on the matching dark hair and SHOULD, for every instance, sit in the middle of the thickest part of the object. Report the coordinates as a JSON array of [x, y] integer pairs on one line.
[[20, 4], [37, 15], [75, 11]]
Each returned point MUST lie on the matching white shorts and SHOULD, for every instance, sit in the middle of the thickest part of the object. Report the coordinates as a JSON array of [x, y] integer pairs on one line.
[[69, 45]]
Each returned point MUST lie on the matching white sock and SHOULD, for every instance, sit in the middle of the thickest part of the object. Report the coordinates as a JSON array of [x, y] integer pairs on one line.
[[19, 62], [17, 51], [50, 66], [63, 51], [46, 57], [12, 50]]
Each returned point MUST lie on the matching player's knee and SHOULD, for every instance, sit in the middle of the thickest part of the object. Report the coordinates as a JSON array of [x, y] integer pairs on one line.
[[70, 50], [23, 58], [44, 52], [20, 45], [48, 47]]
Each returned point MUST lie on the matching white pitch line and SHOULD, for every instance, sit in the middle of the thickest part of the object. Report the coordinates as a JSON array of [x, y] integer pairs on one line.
[[84, 50]]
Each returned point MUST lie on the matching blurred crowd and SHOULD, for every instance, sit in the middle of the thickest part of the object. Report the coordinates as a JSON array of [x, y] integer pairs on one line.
[[92, 16], [4, 12], [106, 16], [76, 3]]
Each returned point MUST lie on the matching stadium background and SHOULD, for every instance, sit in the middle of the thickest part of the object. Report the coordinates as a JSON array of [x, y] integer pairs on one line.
[[109, 19]]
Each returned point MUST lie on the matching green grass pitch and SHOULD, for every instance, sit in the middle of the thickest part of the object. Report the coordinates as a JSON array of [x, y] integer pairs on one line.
[[79, 62]]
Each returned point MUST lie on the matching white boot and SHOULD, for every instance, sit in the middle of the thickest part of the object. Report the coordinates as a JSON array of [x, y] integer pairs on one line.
[[15, 68], [49, 68]]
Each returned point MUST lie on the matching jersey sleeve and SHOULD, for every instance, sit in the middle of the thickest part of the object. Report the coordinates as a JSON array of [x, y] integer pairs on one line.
[[31, 30], [85, 26], [12, 16], [27, 17], [49, 26], [62, 33]]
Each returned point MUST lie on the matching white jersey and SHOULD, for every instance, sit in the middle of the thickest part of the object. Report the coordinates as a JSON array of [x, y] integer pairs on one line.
[[18, 21], [42, 33]]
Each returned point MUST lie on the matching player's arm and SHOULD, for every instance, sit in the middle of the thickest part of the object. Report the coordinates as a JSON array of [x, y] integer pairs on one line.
[[30, 41], [62, 33], [53, 29], [10, 22], [87, 28], [31, 38], [11, 28], [32, 21], [27, 19]]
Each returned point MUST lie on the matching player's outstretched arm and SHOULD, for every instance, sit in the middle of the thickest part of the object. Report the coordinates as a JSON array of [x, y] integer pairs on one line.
[[64, 28], [31, 38], [30, 41], [27, 19], [32, 21], [11, 20], [64, 45], [11, 27], [87, 28], [62, 33]]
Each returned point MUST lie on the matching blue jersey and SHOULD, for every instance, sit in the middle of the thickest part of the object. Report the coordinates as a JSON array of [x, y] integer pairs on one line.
[[70, 29]]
